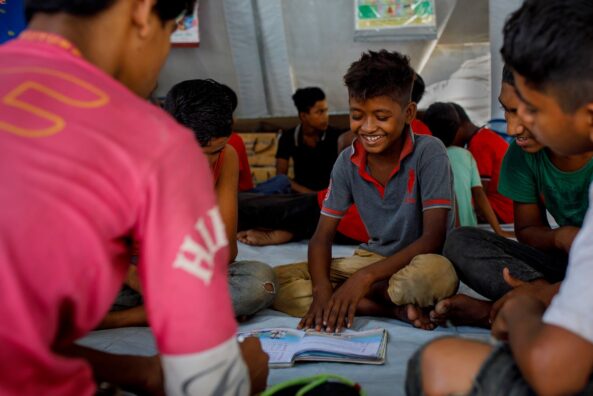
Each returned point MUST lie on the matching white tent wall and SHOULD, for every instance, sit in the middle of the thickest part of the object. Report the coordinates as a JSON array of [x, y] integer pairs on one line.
[[319, 36], [265, 49], [499, 11]]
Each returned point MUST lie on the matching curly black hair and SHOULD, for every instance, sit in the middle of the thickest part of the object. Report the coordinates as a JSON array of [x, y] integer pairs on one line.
[[204, 106], [381, 73]]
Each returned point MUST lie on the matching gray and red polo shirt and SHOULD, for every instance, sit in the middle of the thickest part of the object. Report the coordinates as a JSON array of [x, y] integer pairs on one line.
[[392, 213]]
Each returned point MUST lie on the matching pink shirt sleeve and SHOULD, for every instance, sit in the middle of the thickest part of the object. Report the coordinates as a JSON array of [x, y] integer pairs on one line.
[[183, 255]]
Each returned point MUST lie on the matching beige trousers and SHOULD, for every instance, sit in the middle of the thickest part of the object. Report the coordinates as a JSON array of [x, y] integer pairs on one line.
[[426, 280]]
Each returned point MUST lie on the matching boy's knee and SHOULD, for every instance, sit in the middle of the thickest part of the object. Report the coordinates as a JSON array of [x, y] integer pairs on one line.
[[253, 286], [294, 298], [288, 273], [428, 279], [457, 241], [421, 365]]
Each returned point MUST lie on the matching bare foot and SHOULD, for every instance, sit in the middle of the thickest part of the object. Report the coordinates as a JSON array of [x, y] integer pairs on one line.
[[407, 313], [417, 316], [264, 237], [462, 310]]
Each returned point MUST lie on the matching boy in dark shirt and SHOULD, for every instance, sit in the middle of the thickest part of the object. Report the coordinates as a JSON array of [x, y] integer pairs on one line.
[[312, 145]]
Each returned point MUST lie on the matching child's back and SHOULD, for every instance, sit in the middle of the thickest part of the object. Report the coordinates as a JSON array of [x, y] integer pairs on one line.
[[466, 176]]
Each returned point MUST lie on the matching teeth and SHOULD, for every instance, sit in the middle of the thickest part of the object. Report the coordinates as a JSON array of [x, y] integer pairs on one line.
[[372, 138]]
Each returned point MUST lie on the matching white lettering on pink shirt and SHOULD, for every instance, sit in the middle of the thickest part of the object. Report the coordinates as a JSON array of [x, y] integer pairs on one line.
[[196, 258]]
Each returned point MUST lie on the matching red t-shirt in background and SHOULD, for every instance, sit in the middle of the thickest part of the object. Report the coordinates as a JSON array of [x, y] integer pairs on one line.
[[351, 224], [489, 148], [420, 128], [245, 180]]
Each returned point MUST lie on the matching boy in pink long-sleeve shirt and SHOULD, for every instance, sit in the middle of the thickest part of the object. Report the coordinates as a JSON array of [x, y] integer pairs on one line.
[[86, 166]]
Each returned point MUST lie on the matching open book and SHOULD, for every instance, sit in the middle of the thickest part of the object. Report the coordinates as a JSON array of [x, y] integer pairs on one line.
[[285, 346]]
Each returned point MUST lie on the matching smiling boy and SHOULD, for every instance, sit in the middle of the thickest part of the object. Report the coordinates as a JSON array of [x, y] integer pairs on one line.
[[548, 351], [402, 186]]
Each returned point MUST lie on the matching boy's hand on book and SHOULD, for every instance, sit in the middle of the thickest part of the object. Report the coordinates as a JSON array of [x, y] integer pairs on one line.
[[314, 317], [341, 307], [257, 363]]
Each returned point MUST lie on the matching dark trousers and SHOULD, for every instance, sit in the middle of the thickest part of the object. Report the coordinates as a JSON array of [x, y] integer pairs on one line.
[[297, 213], [479, 257]]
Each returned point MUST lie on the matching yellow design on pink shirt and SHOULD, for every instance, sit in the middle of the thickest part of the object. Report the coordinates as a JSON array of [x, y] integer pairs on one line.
[[16, 98]]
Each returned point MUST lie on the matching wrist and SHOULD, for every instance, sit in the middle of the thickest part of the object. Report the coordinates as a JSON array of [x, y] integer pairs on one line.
[[322, 287], [365, 276], [517, 306]]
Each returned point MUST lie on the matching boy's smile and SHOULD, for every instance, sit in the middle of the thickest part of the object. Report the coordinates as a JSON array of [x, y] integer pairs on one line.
[[523, 137], [379, 122]]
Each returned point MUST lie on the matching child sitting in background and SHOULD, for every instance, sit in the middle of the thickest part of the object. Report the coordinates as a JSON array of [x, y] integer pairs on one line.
[[205, 107], [312, 144], [443, 121], [488, 149]]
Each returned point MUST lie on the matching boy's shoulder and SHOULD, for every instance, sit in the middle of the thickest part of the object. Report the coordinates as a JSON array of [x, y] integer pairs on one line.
[[429, 145], [458, 152]]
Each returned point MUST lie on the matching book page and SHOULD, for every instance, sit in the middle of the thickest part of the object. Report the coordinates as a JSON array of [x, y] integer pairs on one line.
[[349, 343], [280, 344], [284, 345]]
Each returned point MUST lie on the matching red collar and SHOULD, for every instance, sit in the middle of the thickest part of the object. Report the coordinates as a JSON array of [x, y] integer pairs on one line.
[[359, 158]]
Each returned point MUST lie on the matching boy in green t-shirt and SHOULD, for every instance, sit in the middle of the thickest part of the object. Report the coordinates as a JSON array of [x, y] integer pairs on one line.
[[537, 179], [545, 349]]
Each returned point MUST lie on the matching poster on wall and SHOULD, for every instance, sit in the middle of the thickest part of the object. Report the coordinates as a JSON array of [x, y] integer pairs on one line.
[[394, 20], [188, 32], [12, 19]]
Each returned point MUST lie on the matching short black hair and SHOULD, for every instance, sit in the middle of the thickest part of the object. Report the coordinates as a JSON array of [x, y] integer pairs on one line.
[[305, 98], [507, 76], [232, 95], [463, 117], [381, 73], [443, 121], [166, 9], [204, 106], [549, 42], [418, 88]]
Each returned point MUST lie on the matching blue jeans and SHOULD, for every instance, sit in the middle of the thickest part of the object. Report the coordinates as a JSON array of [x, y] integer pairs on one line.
[[252, 285], [479, 257], [276, 185]]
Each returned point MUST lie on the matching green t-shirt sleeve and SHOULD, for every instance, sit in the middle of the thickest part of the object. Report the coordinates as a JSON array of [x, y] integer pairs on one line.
[[475, 174], [517, 180]]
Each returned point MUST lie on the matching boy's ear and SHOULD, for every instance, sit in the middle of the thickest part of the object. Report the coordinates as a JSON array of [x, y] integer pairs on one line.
[[411, 109], [141, 15]]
